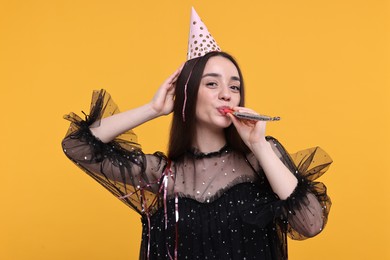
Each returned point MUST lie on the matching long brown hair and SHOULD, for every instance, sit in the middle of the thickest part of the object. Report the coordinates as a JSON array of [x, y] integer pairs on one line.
[[182, 133]]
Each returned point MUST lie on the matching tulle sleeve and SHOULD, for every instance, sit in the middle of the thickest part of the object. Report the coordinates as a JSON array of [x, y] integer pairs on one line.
[[305, 212], [120, 165]]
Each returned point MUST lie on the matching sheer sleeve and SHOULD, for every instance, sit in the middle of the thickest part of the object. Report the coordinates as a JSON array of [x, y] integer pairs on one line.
[[305, 212], [120, 165]]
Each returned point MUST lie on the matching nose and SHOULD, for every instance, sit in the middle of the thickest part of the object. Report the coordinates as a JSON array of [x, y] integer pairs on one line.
[[224, 94]]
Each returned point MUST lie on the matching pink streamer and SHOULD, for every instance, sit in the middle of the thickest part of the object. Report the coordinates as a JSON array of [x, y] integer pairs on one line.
[[185, 92], [185, 100], [163, 188]]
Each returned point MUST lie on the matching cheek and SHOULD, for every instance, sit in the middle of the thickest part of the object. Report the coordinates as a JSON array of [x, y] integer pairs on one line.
[[238, 100], [204, 98], [200, 104]]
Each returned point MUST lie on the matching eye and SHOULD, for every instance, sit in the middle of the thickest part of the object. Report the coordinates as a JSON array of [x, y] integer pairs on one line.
[[211, 84], [235, 88]]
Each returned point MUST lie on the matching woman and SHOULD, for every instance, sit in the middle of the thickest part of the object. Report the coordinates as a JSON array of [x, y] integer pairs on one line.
[[225, 191]]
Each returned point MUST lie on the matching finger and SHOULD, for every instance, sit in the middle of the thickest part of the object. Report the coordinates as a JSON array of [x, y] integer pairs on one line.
[[247, 121], [172, 78], [182, 65], [245, 109], [233, 118], [239, 122], [261, 127], [177, 73]]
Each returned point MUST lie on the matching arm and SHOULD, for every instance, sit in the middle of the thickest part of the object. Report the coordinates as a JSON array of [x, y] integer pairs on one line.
[[161, 104], [308, 207], [305, 203], [281, 179], [118, 163]]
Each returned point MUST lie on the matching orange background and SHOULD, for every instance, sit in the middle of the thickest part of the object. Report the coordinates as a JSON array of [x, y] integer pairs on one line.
[[323, 66]]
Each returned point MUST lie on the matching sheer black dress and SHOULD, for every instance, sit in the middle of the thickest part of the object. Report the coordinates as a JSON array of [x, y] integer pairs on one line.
[[203, 206]]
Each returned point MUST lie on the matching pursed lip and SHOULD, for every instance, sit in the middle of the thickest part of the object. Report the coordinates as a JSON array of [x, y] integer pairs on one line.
[[223, 110]]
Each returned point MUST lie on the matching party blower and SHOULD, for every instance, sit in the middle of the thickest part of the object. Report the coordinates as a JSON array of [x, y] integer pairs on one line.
[[250, 116]]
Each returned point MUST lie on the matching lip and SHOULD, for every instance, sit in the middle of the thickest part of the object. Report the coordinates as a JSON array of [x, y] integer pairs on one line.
[[223, 110]]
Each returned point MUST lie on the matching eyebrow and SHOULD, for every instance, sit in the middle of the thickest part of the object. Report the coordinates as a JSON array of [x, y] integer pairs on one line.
[[219, 75]]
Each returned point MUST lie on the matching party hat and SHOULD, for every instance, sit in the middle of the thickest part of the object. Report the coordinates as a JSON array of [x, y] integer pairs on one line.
[[200, 40]]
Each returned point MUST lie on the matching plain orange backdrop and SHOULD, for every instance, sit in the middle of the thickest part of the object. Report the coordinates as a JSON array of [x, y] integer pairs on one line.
[[323, 66]]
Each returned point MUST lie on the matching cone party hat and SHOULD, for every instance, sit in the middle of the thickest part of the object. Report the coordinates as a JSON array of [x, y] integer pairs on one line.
[[200, 40]]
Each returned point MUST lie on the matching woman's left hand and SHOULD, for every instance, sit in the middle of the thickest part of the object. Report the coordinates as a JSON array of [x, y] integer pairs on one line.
[[252, 132]]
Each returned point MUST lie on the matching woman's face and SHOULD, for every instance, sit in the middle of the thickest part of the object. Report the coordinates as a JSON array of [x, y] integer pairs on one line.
[[219, 88]]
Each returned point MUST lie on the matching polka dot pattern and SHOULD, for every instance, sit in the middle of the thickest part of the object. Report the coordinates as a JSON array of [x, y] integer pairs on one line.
[[200, 40]]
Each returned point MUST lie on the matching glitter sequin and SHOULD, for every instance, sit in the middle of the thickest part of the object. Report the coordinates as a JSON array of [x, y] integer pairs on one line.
[[222, 202]]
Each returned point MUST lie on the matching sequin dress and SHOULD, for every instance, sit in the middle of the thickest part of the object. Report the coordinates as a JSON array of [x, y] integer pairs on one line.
[[203, 206]]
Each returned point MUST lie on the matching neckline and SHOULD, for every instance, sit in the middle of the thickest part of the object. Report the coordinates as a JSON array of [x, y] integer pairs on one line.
[[200, 155]]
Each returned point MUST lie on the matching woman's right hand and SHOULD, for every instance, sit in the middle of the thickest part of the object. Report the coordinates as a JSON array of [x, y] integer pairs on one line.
[[162, 102]]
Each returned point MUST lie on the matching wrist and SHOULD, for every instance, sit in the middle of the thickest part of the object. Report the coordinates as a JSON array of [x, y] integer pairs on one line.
[[151, 111], [261, 147]]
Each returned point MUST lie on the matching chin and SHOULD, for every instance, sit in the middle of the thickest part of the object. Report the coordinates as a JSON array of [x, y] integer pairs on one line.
[[224, 123], [221, 122]]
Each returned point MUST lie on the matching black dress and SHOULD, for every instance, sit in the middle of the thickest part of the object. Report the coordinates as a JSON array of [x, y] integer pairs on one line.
[[202, 206]]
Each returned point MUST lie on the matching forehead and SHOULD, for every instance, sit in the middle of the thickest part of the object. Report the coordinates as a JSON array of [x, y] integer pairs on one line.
[[220, 65]]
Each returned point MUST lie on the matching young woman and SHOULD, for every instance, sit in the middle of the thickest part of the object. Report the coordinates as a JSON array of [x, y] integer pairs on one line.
[[224, 191]]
